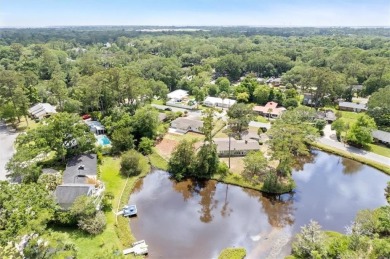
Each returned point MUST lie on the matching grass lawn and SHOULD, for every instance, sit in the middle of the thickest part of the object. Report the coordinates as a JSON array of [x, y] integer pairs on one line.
[[22, 125], [379, 149], [187, 136], [159, 101], [158, 161], [350, 117], [117, 235], [261, 119]]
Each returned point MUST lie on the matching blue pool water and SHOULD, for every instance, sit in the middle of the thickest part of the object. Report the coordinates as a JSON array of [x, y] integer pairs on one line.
[[103, 140]]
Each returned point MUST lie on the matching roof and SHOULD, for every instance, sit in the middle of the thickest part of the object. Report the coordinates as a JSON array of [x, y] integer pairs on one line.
[[66, 194], [360, 106], [223, 144], [259, 124], [326, 115], [89, 165], [49, 171], [42, 109], [270, 105], [381, 135], [178, 94], [186, 123], [357, 87], [215, 100]]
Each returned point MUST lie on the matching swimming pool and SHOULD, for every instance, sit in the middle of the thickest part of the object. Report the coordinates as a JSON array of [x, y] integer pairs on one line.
[[103, 140]]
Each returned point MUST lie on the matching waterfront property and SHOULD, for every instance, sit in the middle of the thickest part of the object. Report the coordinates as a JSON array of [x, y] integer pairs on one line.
[[42, 110], [381, 136], [353, 107], [237, 147], [270, 110], [184, 125], [79, 178], [218, 102]]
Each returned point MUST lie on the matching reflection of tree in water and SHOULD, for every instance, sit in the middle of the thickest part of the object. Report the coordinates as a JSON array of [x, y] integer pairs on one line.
[[138, 185], [350, 166], [279, 208], [302, 160], [226, 210], [207, 201], [186, 188]]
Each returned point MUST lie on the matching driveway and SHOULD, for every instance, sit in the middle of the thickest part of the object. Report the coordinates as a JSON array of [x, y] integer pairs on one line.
[[7, 140], [329, 140]]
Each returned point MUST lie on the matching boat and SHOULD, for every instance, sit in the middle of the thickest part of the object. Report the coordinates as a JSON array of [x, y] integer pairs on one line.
[[129, 210], [139, 248]]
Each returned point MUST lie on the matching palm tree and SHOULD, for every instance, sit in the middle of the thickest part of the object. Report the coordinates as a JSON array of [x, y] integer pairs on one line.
[[223, 95]]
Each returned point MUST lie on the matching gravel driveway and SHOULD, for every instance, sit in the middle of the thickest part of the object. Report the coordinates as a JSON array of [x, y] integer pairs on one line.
[[7, 140]]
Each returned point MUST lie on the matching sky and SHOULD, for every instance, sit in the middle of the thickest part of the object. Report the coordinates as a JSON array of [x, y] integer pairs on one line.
[[41, 13]]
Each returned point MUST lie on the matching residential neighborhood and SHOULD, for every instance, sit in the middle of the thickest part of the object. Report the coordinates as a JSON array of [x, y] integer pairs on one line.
[[247, 141]]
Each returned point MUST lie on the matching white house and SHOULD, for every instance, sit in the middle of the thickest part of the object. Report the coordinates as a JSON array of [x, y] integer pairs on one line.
[[218, 102], [184, 125], [178, 94], [41, 110]]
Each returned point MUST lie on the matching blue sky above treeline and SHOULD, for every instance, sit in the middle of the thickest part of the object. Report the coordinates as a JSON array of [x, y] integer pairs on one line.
[[36, 13]]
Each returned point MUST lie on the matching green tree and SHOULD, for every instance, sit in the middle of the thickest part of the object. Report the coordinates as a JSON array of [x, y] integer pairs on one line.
[[239, 117], [181, 164], [310, 239], [20, 215], [93, 225], [223, 84], [261, 94], [360, 133], [339, 126], [255, 167], [122, 139], [145, 123], [146, 146], [131, 163], [206, 161], [379, 107]]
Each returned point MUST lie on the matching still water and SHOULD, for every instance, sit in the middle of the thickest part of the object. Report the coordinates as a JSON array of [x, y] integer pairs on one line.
[[198, 219]]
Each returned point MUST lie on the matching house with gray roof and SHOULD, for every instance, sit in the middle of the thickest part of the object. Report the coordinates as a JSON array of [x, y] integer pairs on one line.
[[237, 147], [328, 115], [353, 107], [80, 168], [184, 125], [66, 194], [381, 136], [42, 110]]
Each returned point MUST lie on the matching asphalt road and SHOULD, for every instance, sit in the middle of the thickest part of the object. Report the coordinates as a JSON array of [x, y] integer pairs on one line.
[[329, 140], [7, 140]]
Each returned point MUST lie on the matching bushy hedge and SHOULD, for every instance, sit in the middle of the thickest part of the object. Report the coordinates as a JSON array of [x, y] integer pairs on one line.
[[233, 253]]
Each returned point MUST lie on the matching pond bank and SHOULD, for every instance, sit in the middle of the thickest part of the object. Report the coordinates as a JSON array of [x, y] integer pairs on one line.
[[346, 154]]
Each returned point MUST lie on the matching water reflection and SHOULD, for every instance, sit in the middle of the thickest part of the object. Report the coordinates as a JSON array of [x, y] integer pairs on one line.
[[350, 166], [198, 219]]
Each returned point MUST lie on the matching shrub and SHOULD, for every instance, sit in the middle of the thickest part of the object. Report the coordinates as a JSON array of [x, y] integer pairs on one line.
[[223, 168], [309, 241], [146, 146], [233, 253], [93, 225], [131, 163]]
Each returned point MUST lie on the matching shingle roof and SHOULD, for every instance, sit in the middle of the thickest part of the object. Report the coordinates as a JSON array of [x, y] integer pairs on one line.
[[186, 123], [223, 144], [89, 163], [360, 106], [381, 135], [66, 194]]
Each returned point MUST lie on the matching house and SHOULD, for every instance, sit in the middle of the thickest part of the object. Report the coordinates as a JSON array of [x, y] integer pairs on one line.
[[260, 125], [95, 126], [178, 95], [80, 168], [353, 107], [328, 115], [237, 147], [162, 117], [42, 110], [66, 194], [274, 81], [218, 102], [381, 136], [269, 110], [184, 125]]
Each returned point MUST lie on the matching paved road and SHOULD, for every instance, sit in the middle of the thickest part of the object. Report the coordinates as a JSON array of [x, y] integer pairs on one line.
[[329, 140], [193, 113], [7, 140]]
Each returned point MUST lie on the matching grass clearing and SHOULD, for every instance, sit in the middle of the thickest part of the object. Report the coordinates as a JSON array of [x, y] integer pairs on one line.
[[379, 149], [158, 161], [350, 117]]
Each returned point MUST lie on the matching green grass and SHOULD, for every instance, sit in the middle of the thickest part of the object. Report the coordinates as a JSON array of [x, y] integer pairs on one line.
[[236, 179], [261, 119], [381, 167], [159, 101], [117, 234], [350, 117], [233, 253], [380, 150], [158, 161]]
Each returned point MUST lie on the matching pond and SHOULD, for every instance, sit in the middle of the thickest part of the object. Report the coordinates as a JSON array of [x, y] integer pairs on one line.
[[198, 219]]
